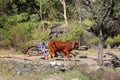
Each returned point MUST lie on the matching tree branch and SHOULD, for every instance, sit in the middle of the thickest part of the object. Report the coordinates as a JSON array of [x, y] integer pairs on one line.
[[108, 12], [62, 1]]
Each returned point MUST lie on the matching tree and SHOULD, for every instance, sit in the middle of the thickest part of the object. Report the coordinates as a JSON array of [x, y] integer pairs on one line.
[[3, 5], [101, 12], [65, 12], [79, 10]]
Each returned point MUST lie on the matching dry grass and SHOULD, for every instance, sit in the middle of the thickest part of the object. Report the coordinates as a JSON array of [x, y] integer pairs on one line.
[[8, 52], [94, 52], [89, 51], [9, 74], [103, 73]]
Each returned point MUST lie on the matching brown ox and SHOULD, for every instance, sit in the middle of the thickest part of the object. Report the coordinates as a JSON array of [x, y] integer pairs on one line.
[[60, 46]]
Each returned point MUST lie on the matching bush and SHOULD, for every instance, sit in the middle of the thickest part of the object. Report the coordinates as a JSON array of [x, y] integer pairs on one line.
[[93, 41], [34, 17], [109, 41], [117, 39], [77, 32], [88, 22], [18, 34], [25, 16]]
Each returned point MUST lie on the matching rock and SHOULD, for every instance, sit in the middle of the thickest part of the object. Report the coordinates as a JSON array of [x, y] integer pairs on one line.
[[53, 63], [83, 57], [59, 64], [26, 69], [63, 69], [74, 79], [108, 47]]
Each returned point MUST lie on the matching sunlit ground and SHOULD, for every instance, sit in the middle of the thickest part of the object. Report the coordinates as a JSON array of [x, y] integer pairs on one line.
[[11, 75], [94, 52], [9, 52], [88, 52]]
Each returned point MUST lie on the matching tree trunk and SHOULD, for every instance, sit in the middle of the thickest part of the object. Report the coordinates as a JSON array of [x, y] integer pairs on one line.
[[65, 12], [42, 24], [79, 9], [100, 48]]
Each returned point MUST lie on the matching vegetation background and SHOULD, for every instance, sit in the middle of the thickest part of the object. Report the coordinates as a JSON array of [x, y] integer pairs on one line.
[[94, 23], [26, 22]]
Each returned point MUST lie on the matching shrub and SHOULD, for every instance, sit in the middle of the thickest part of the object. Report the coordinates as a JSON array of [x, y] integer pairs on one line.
[[34, 17], [93, 41], [77, 32], [109, 41], [117, 39], [25, 16], [88, 22]]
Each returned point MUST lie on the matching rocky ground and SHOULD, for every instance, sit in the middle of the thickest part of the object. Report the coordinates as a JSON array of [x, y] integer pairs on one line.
[[21, 67]]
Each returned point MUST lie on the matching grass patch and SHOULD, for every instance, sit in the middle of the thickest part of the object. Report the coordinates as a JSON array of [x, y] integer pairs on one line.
[[74, 74]]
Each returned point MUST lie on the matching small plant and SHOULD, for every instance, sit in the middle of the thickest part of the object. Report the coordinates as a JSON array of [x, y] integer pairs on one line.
[[117, 39], [109, 41], [93, 41]]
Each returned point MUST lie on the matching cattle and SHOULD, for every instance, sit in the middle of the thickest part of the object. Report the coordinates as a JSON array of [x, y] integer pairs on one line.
[[60, 46]]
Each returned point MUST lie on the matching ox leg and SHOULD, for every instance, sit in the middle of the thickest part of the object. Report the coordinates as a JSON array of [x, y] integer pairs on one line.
[[65, 57], [52, 55], [67, 54], [46, 56]]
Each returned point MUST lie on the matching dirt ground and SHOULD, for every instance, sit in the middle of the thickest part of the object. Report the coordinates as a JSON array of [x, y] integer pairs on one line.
[[90, 52], [36, 61]]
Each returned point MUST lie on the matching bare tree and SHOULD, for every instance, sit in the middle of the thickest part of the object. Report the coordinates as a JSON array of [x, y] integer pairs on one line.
[[65, 12], [41, 16], [79, 10], [101, 11], [106, 15]]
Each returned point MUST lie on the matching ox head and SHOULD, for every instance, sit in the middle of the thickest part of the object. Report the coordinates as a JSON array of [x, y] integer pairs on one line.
[[75, 45]]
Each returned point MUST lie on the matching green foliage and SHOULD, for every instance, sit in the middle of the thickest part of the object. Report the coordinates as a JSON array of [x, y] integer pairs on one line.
[[12, 20], [2, 22], [20, 20], [7, 22], [117, 39], [43, 35], [25, 16], [88, 22], [2, 32], [114, 40], [109, 41], [18, 35], [22, 1], [77, 32], [93, 41], [34, 17], [117, 7]]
